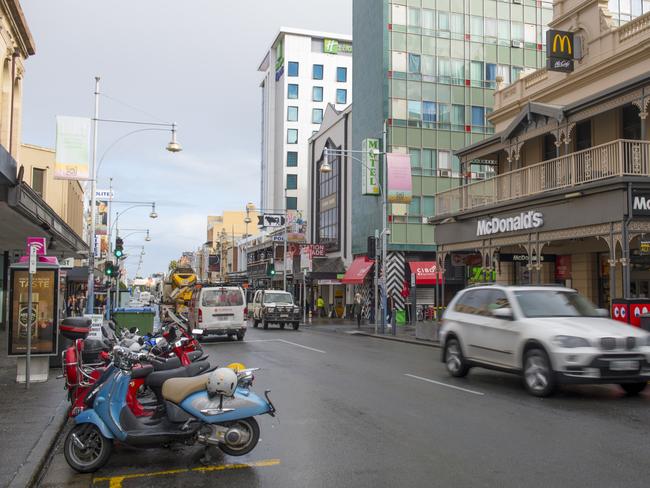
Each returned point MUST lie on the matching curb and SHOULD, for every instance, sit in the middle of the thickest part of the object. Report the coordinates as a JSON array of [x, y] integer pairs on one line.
[[395, 339], [30, 471]]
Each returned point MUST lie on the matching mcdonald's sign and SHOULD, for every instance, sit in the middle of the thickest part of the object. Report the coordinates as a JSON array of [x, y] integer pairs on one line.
[[560, 50]]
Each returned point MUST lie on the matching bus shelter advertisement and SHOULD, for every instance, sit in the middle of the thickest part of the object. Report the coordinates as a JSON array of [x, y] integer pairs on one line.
[[44, 306]]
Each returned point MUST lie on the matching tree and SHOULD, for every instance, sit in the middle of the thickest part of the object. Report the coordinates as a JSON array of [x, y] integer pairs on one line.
[[173, 264]]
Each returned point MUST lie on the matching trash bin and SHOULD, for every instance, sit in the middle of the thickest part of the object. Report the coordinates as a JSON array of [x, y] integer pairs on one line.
[[142, 318]]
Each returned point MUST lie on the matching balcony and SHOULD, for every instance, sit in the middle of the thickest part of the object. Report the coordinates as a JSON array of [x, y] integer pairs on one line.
[[613, 159]]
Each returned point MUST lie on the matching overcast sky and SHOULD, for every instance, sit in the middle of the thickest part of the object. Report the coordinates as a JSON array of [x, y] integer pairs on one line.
[[193, 62]]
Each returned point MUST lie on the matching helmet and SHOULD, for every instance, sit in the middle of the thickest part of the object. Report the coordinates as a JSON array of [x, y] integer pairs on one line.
[[222, 381]]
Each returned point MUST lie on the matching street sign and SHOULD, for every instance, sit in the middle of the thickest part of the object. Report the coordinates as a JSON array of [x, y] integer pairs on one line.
[[278, 238], [32, 259], [271, 220], [39, 243]]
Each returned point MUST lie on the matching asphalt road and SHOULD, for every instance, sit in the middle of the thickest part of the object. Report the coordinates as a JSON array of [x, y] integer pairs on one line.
[[355, 411]]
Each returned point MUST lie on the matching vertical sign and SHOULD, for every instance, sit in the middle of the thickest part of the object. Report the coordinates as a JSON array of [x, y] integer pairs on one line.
[[72, 148], [400, 184], [279, 60], [32, 260], [370, 181], [560, 51], [37, 243]]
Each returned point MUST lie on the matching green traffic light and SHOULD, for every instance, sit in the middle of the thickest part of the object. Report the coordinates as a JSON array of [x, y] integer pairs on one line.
[[118, 253]]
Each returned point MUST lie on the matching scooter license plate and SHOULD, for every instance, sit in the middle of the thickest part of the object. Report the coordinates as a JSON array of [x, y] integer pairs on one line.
[[624, 365]]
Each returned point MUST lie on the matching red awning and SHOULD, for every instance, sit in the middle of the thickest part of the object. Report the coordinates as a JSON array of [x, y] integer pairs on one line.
[[426, 272], [357, 271]]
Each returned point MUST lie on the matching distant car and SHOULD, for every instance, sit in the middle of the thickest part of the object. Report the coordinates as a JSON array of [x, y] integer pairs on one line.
[[549, 335], [218, 310], [274, 307]]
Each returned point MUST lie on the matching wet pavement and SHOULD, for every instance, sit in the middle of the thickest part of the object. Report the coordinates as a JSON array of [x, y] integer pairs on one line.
[[354, 411]]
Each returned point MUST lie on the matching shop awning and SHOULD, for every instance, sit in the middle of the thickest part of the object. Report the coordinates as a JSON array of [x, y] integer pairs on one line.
[[426, 272], [357, 271]]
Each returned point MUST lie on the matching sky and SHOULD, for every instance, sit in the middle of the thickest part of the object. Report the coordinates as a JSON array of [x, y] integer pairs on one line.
[[192, 62]]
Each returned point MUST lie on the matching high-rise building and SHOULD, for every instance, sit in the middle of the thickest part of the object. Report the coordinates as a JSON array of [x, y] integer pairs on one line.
[[303, 72], [427, 71]]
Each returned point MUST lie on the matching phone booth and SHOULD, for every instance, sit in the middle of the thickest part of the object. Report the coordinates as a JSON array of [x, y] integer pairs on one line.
[[630, 310]]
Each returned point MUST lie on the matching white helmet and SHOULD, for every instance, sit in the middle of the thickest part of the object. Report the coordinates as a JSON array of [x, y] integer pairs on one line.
[[222, 381]]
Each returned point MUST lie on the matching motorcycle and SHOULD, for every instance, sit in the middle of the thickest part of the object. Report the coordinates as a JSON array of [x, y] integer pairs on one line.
[[191, 416]]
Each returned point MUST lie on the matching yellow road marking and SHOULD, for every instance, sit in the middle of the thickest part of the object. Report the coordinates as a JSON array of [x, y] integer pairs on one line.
[[116, 481]]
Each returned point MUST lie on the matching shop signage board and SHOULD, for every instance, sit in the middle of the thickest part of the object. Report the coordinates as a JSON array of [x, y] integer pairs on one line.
[[72, 148], [640, 203], [560, 50], [333, 46], [370, 165], [524, 258], [400, 182], [271, 220], [645, 248], [38, 243], [499, 225]]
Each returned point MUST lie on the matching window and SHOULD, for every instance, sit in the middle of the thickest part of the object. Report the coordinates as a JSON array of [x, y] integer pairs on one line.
[[414, 207], [631, 123], [341, 96], [328, 203], [478, 116], [317, 116], [293, 68], [292, 159], [458, 117], [414, 63], [341, 75], [491, 74], [292, 203], [428, 205], [583, 135], [413, 17], [415, 109], [550, 151], [317, 94], [476, 73], [292, 114], [429, 112], [292, 136], [473, 302], [292, 182], [317, 72], [38, 180], [292, 91], [444, 160]]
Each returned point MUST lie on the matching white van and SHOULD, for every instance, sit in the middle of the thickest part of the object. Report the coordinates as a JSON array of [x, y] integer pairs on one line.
[[219, 310]]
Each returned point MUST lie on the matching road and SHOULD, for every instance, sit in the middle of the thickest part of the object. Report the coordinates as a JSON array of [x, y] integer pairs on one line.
[[356, 411]]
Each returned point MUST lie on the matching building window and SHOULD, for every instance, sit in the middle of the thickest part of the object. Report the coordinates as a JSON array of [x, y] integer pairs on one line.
[[292, 159], [444, 160], [317, 72], [478, 118], [631, 122], [414, 109], [328, 204], [38, 181], [341, 96], [292, 203], [292, 136], [292, 182], [292, 91], [583, 135], [317, 115], [341, 75], [317, 94], [292, 114], [429, 114], [293, 68], [414, 63], [550, 150]]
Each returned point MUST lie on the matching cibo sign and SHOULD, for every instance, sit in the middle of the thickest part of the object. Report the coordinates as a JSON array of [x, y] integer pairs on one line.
[[496, 225], [560, 50]]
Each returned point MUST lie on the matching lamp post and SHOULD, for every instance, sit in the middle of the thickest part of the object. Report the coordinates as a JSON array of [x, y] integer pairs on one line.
[[173, 146]]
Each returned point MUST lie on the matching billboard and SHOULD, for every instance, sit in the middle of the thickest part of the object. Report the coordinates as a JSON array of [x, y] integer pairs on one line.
[[72, 148], [560, 50], [400, 184], [370, 161]]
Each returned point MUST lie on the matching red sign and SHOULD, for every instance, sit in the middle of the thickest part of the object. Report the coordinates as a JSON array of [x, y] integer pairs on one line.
[[563, 267], [426, 272]]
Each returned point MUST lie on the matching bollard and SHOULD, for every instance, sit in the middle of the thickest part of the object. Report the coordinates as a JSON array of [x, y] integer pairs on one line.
[[310, 316]]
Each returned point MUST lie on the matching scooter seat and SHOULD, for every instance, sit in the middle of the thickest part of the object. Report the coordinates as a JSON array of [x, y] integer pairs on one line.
[[194, 355], [157, 378], [142, 371], [178, 389], [162, 364]]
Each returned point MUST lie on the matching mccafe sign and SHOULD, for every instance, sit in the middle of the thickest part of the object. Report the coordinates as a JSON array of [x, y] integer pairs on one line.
[[524, 221], [560, 51]]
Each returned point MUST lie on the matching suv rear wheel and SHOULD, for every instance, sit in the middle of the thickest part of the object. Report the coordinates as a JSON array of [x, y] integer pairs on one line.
[[539, 378], [456, 364]]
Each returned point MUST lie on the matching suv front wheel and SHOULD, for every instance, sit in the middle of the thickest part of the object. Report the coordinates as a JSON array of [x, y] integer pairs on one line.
[[539, 378], [456, 364]]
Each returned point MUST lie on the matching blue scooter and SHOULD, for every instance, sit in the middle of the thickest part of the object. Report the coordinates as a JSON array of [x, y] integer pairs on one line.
[[191, 415]]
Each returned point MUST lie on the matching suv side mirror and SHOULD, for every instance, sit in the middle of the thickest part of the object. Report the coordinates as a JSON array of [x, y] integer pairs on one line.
[[503, 313]]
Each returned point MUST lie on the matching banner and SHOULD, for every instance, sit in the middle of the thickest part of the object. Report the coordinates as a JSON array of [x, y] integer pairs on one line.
[[101, 217], [370, 161], [399, 178], [72, 148]]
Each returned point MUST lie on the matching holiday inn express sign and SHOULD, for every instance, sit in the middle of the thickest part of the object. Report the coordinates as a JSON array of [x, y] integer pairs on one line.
[[496, 225]]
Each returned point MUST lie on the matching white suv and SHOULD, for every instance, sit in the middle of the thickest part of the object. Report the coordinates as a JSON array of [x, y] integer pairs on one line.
[[550, 335]]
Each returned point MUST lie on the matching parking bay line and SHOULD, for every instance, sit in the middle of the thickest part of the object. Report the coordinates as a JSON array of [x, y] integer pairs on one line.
[[444, 384], [116, 481], [271, 340]]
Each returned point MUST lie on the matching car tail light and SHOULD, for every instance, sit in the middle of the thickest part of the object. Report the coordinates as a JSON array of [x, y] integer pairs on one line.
[[246, 312], [200, 315]]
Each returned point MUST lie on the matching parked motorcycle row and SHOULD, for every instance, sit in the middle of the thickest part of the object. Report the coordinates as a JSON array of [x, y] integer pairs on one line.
[[153, 391]]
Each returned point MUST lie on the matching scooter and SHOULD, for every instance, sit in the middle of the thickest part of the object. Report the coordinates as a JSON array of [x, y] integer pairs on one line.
[[191, 416]]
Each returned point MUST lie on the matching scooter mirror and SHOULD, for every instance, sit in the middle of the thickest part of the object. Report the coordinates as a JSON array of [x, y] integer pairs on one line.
[[197, 331]]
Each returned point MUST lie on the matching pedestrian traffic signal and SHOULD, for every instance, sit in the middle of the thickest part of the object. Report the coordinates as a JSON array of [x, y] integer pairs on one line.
[[119, 248], [270, 269], [110, 269]]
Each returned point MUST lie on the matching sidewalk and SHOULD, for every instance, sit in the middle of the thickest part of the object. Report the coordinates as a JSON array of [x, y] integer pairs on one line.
[[405, 333], [30, 422]]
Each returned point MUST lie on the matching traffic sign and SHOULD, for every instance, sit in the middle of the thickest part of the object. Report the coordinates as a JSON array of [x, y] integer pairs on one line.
[[271, 220], [278, 238]]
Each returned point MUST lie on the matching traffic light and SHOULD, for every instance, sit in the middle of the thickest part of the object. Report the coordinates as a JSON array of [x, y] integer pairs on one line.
[[270, 269], [119, 248], [110, 269]]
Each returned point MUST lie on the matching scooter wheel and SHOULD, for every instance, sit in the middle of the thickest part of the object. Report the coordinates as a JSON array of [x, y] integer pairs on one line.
[[249, 435], [86, 449]]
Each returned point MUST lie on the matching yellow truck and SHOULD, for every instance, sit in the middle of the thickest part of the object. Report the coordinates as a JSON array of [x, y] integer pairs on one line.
[[178, 289]]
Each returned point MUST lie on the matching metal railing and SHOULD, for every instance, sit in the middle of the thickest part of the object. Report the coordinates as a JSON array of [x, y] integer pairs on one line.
[[616, 158]]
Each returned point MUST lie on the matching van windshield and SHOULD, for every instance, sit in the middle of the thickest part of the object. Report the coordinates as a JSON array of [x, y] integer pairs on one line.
[[222, 298], [278, 298]]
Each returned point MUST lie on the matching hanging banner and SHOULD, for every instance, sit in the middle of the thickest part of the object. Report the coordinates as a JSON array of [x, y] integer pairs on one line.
[[370, 161], [400, 189], [72, 148], [101, 217]]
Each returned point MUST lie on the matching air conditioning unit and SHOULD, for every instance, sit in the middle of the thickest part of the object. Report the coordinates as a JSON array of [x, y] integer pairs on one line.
[[425, 220], [518, 44], [444, 172], [518, 2]]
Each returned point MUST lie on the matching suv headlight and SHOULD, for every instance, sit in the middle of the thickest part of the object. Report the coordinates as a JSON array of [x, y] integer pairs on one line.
[[570, 341]]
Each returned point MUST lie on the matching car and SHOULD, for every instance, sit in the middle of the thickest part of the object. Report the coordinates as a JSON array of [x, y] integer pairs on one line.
[[274, 307], [548, 335], [218, 311]]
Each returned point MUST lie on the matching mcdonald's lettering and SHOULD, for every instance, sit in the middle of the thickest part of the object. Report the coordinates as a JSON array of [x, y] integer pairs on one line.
[[559, 44]]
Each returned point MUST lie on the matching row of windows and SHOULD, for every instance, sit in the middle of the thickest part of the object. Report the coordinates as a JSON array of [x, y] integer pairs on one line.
[[316, 115], [625, 10], [439, 113], [317, 94], [317, 71]]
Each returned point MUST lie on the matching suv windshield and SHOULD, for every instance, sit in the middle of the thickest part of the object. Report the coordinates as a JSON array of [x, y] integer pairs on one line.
[[222, 297], [278, 298], [554, 303]]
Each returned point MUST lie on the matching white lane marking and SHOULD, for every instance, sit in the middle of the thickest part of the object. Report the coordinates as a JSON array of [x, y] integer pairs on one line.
[[444, 384], [300, 345]]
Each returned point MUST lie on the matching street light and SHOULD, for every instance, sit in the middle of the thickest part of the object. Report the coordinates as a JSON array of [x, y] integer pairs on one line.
[[173, 145]]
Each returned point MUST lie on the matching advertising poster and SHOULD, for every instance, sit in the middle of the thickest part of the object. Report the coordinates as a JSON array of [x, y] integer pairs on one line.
[[72, 148], [101, 217], [400, 184], [44, 306]]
